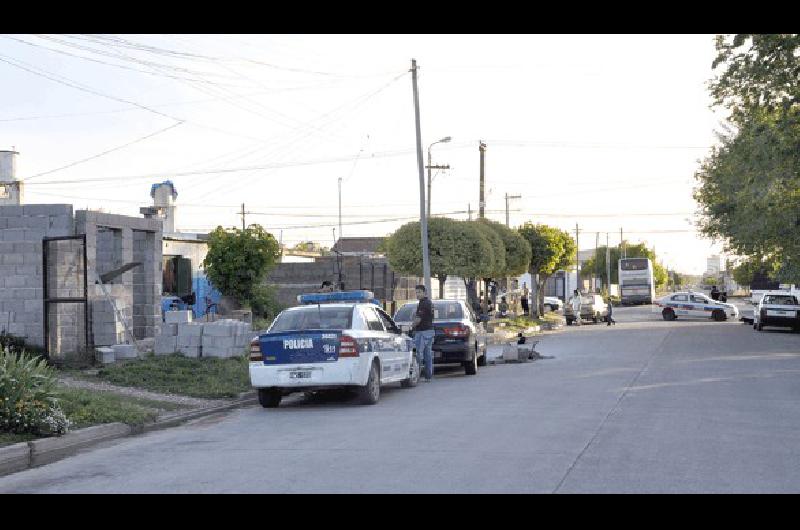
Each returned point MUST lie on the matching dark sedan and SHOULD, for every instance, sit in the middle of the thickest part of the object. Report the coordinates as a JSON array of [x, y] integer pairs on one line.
[[460, 336]]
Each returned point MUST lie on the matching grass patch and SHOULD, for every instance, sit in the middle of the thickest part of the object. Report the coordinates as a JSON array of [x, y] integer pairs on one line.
[[89, 407], [175, 374]]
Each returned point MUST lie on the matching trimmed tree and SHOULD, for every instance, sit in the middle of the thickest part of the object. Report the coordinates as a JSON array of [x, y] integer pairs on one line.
[[237, 263], [456, 248], [551, 249], [518, 250]]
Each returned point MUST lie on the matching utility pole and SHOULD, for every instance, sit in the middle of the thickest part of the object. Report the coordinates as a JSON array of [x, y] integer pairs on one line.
[[622, 244], [340, 207], [423, 219], [482, 202], [242, 217], [577, 258], [608, 266], [596, 248], [430, 166], [508, 224], [469, 211]]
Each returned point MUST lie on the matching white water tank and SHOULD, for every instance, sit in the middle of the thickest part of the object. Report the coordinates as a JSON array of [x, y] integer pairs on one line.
[[10, 187], [8, 166]]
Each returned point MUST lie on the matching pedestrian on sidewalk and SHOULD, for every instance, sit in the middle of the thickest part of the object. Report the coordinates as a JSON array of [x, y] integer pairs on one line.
[[611, 313], [423, 332], [576, 306], [524, 300]]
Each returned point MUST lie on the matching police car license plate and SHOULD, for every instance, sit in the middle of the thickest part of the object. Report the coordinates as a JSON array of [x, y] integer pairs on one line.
[[305, 374]]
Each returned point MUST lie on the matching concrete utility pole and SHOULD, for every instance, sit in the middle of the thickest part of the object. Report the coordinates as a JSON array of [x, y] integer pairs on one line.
[[622, 244], [596, 263], [508, 224], [469, 211], [340, 207], [242, 216], [577, 258], [482, 202], [608, 266], [423, 219], [430, 166]]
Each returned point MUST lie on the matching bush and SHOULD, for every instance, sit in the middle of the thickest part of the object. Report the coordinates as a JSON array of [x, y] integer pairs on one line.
[[27, 396]]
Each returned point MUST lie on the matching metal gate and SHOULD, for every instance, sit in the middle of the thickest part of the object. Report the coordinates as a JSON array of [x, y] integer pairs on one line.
[[65, 295]]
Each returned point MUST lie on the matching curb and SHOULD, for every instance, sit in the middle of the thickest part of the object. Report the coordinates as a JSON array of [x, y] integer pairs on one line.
[[25, 455], [14, 458]]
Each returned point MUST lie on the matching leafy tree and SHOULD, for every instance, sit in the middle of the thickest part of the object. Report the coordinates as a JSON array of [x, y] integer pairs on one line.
[[518, 250], [238, 261], [744, 272], [749, 186], [551, 249], [456, 248]]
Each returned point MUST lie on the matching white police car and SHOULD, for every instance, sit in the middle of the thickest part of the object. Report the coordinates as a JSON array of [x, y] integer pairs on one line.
[[332, 340], [692, 304]]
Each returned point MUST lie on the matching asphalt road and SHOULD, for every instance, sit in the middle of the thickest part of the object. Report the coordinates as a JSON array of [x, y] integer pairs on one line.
[[644, 406]]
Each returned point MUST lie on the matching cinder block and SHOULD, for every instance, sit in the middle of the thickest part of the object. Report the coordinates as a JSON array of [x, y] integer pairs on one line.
[[194, 341], [190, 351], [12, 259], [218, 329], [105, 355], [48, 209], [177, 317], [190, 328], [14, 281], [125, 351], [165, 345], [169, 330]]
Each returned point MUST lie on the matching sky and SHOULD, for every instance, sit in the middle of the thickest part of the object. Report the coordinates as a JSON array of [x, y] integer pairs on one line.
[[602, 131]]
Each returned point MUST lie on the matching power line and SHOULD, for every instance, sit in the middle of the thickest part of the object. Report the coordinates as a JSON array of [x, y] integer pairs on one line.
[[104, 152]]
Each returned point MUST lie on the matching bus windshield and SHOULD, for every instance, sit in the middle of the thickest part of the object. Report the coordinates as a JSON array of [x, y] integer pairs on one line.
[[633, 264]]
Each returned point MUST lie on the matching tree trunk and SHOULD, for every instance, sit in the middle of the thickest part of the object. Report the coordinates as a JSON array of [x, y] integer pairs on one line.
[[442, 278]]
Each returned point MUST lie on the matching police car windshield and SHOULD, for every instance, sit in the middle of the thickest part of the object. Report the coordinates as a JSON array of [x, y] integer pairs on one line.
[[314, 317]]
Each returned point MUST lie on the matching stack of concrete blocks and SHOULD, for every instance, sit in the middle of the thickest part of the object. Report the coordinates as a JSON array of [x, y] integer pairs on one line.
[[226, 338], [190, 339], [22, 228], [107, 326], [166, 342]]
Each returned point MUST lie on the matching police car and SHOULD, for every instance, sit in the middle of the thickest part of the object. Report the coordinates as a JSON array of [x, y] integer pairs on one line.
[[693, 304], [332, 340]]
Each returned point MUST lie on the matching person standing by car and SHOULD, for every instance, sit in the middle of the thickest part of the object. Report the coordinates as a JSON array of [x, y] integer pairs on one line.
[[576, 306], [714, 292], [611, 313], [524, 300], [423, 332]]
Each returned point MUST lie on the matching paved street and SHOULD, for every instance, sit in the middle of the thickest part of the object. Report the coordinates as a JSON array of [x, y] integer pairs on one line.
[[645, 406]]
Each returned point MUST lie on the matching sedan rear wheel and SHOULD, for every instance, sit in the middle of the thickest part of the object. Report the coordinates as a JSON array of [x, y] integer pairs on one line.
[[370, 393]]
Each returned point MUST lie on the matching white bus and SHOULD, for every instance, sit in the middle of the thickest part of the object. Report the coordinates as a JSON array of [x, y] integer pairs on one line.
[[636, 284]]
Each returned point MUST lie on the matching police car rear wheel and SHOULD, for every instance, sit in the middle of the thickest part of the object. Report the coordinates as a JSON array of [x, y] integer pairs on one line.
[[718, 315], [413, 376], [370, 393], [668, 314], [269, 398]]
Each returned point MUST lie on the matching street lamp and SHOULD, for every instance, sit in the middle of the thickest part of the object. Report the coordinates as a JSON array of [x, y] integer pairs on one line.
[[442, 141]]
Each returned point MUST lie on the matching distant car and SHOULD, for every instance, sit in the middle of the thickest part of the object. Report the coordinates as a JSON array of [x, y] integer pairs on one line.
[[593, 308], [691, 304], [331, 341], [780, 310], [552, 303], [459, 335]]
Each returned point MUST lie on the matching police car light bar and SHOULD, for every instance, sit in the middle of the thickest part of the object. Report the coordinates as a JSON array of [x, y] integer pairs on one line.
[[338, 296]]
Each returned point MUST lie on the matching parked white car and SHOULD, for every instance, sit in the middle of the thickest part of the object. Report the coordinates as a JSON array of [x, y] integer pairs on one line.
[[691, 304], [553, 303]]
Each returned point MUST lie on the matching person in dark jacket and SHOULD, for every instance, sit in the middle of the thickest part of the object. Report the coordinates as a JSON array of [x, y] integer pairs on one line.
[[423, 332], [611, 313]]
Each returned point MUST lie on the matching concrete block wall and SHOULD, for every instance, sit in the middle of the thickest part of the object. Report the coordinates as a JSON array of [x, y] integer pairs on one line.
[[22, 228], [221, 338], [147, 279]]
